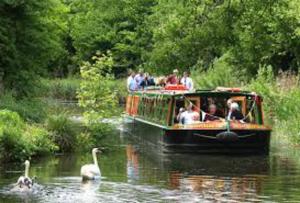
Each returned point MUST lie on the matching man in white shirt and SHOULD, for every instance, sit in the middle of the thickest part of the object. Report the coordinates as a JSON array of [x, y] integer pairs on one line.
[[131, 82], [189, 116], [187, 81]]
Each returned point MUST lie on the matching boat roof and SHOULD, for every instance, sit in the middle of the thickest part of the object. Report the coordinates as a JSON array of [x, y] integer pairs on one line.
[[225, 92]]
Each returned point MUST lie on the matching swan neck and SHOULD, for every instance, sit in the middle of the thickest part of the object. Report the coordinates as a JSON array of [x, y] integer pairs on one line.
[[95, 158], [27, 170]]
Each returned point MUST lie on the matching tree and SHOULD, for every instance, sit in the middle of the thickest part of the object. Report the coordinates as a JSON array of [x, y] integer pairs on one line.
[[95, 94], [112, 25], [30, 40]]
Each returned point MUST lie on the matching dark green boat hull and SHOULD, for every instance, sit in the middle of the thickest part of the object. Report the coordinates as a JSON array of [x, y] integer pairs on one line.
[[199, 141]]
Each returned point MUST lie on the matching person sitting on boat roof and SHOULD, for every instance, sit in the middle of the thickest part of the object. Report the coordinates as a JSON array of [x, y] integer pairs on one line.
[[234, 112], [189, 116], [212, 113], [130, 82], [148, 81], [173, 78], [187, 81], [139, 78]]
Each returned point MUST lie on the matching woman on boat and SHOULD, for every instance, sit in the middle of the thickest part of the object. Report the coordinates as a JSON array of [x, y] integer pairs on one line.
[[173, 78], [211, 115], [189, 116]]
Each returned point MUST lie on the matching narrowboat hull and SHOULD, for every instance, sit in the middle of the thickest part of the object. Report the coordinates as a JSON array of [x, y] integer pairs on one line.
[[172, 140]]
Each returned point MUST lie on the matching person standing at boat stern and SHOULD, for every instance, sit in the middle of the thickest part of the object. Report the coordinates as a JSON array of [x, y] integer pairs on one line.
[[131, 84], [139, 78], [173, 78], [189, 116], [187, 81]]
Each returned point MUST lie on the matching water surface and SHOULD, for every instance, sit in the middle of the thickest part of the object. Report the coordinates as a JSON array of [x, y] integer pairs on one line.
[[132, 173]]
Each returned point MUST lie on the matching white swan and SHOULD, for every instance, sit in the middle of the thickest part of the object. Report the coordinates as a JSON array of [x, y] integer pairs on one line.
[[25, 181], [91, 171]]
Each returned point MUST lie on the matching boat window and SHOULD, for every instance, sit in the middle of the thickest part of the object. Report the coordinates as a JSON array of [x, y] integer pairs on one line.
[[179, 103], [183, 102], [219, 102], [248, 107]]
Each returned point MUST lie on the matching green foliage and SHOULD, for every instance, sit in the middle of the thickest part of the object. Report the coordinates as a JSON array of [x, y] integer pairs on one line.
[[113, 25], [63, 131], [221, 73], [258, 33], [63, 89], [32, 110], [95, 94], [41, 141], [94, 136], [19, 141], [31, 38], [281, 101], [265, 84], [119, 86]]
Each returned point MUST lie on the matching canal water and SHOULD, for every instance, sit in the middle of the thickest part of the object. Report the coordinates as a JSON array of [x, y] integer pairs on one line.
[[132, 173]]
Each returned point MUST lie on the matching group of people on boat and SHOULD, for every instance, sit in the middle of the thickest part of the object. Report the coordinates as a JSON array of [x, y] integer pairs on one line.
[[190, 115], [142, 80]]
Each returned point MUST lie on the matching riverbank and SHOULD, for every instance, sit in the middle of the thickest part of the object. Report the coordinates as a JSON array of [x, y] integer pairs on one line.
[[48, 122], [45, 126]]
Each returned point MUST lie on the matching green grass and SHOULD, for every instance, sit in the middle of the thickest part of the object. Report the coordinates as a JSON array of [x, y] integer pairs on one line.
[[30, 109], [62, 89], [63, 131]]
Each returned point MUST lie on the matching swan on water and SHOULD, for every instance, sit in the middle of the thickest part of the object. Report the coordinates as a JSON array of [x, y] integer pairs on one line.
[[25, 181], [91, 171]]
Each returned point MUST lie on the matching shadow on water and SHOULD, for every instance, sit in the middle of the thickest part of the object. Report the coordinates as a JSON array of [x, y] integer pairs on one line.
[[133, 173]]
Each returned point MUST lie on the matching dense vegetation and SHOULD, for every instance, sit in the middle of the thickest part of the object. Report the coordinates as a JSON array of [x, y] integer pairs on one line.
[[253, 44]]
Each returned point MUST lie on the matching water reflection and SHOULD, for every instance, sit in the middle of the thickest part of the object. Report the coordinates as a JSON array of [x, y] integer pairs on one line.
[[210, 177]]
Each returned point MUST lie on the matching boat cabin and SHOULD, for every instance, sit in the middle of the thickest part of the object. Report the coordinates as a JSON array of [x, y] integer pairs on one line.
[[163, 106]]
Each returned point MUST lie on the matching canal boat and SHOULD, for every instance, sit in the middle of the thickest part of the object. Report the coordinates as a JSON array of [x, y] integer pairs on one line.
[[153, 115]]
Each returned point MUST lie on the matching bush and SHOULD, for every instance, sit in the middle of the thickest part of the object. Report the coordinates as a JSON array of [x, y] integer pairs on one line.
[[63, 131], [120, 87], [281, 101], [95, 93], [95, 136], [219, 74], [19, 141], [64, 89], [40, 137], [32, 110]]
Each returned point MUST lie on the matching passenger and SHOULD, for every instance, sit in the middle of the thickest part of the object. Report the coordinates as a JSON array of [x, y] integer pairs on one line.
[[229, 102], [211, 115], [173, 78], [187, 81], [133, 86], [189, 116], [130, 80], [148, 81], [234, 112], [181, 110], [139, 78], [160, 81]]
